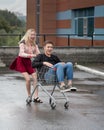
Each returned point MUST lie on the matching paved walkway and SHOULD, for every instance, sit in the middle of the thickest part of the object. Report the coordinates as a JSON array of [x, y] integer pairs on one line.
[[86, 106]]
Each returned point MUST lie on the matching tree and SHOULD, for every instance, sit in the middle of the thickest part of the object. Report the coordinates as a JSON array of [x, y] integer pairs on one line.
[[11, 26]]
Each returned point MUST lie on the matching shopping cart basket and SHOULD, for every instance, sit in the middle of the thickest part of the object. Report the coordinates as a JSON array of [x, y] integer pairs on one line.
[[47, 77]]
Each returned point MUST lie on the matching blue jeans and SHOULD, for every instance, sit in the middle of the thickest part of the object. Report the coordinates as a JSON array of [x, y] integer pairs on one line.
[[62, 71]]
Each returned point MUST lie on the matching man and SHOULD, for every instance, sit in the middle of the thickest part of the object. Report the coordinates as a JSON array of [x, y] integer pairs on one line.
[[54, 63]]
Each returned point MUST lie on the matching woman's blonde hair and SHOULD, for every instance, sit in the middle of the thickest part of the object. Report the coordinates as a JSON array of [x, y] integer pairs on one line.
[[25, 38]]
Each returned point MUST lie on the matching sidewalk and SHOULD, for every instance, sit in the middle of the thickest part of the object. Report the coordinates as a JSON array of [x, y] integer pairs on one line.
[[86, 106]]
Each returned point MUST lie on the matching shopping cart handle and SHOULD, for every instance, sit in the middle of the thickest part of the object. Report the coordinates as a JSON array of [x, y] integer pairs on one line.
[[50, 67]]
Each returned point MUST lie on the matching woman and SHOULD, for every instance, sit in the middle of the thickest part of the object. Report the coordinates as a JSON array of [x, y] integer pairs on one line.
[[27, 50]]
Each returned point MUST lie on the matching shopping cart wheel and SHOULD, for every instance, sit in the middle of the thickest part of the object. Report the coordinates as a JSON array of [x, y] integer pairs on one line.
[[53, 105], [28, 101], [66, 105]]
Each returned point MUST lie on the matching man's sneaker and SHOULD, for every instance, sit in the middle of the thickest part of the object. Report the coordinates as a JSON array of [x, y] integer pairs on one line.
[[71, 88], [64, 89]]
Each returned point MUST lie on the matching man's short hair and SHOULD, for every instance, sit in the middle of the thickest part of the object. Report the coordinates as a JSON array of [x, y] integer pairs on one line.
[[48, 42]]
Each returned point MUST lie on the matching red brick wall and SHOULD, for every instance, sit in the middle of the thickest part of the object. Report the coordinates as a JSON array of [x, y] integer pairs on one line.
[[31, 16], [48, 16], [78, 42], [63, 23], [63, 5], [98, 43], [99, 22]]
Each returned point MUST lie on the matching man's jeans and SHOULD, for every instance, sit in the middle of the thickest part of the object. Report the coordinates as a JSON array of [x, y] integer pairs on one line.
[[61, 71]]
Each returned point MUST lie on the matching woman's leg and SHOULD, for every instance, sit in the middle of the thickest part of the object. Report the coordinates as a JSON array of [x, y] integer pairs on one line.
[[28, 85], [34, 77], [36, 99]]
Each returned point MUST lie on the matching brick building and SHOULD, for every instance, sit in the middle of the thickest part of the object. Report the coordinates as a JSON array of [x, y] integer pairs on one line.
[[76, 22]]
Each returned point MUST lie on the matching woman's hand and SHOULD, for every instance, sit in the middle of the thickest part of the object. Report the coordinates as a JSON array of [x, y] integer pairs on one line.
[[33, 55]]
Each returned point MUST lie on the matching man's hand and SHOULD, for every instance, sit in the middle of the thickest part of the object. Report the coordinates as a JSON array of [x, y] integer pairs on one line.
[[47, 64], [62, 63]]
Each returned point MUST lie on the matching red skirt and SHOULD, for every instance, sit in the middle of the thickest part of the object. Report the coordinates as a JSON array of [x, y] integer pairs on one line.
[[22, 65]]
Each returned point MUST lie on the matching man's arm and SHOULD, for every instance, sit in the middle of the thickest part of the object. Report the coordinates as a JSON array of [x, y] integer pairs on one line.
[[38, 61]]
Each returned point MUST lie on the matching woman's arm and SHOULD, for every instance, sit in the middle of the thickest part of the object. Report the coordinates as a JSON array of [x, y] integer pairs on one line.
[[22, 52]]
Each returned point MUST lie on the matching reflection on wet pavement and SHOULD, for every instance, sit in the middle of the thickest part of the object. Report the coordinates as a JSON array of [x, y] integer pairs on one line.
[[86, 106]]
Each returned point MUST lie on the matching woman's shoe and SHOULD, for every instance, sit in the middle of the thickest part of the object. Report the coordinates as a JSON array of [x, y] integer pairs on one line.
[[37, 100], [28, 100]]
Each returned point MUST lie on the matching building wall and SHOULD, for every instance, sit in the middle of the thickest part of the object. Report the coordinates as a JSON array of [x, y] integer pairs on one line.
[[48, 16], [47, 19], [31, 14], [56, 17], [63, 5], [65, 25]]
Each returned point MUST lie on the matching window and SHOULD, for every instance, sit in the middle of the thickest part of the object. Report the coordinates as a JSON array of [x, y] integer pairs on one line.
[[84, 21]]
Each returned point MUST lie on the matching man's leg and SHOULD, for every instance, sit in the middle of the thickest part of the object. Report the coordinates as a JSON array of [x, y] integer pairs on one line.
[[60, 75], [59, 72], [69, 74]]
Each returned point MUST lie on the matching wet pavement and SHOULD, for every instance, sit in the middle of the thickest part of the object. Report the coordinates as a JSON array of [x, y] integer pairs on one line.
[[86, 106]]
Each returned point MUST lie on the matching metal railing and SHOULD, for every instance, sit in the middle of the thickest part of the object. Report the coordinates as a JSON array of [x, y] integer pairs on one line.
[[45, 36]]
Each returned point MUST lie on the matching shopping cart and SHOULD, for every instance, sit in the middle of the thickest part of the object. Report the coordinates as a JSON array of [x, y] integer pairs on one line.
[[47, 77]]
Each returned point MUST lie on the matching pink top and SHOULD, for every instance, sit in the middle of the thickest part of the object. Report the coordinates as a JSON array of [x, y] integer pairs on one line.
[[26, 51]]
